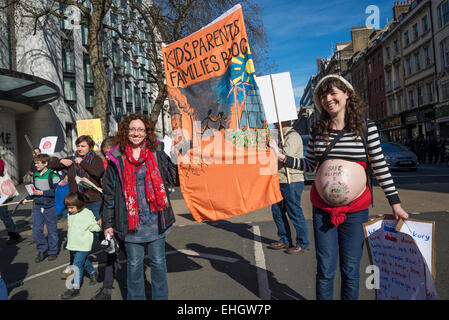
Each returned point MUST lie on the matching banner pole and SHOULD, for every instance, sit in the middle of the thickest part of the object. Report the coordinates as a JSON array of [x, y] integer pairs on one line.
[[280, 125]]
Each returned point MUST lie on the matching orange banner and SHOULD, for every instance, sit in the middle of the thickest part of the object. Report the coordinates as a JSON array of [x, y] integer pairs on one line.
[[219, 127]]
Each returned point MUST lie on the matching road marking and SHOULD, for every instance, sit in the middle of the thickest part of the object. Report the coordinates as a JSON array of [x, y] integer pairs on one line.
[[203, 255], [20, 283], [262, 276]]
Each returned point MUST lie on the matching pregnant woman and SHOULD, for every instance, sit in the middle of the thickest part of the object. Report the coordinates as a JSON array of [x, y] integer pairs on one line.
[[342, 145]]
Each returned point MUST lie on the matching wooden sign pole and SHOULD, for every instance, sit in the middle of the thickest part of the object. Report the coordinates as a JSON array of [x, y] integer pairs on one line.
[[280, 126]]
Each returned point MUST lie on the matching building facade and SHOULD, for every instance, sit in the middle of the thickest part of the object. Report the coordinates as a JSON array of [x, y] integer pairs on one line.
[[440, 25], [55, 53]]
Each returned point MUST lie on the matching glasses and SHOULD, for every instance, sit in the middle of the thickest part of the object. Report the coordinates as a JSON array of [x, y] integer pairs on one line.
[[138, 130]]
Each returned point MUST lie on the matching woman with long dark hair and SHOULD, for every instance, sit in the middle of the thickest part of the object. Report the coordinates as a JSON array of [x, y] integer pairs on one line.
[[136, 205], [344, 148]]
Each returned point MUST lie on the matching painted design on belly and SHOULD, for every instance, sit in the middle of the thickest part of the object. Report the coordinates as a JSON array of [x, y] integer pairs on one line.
[[336, 192]]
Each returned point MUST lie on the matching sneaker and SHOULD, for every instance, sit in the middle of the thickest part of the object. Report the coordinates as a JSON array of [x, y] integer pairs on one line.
[[41, 257], [295, 249], [102, 294], [52, 257], [67, 272], [93, 278], [71, 293], [278, 245]]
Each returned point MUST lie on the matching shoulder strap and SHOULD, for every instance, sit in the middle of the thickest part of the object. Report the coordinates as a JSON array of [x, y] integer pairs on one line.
[[329, 147], [50, 180], [368, 170]]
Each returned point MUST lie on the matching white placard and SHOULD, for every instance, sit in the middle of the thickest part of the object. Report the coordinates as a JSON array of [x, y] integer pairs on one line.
[[167, 145], [404, 272], [30, 189], [285, 98], [48, 144]]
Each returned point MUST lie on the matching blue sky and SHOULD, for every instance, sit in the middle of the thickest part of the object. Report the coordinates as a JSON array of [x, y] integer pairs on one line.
[[300, 31]]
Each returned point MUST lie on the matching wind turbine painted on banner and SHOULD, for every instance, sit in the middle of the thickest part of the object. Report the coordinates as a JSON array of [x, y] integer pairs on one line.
[[234, 89]]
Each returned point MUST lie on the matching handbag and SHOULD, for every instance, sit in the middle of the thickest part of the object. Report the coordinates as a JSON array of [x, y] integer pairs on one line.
[[165, 219], [7, 188]]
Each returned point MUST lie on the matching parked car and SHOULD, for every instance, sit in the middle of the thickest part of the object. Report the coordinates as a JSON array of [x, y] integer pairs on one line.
[[309, 177], [399, 156]]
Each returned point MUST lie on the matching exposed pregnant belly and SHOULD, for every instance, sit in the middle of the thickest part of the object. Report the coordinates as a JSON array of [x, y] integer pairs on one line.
[[339, 182]]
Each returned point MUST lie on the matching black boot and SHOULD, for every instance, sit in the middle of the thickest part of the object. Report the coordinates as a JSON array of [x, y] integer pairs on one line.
[[103, 294], [71, 293], [93, 278], [14, 237]]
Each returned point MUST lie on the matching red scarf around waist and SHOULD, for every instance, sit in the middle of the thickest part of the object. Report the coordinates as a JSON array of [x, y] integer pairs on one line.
[[338, 214], [154, 186]]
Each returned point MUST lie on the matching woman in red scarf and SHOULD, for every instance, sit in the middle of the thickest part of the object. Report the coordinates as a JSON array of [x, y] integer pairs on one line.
[[342, 145], [134, 204]]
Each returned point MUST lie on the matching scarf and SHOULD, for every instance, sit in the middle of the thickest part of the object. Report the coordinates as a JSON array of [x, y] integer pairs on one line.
[[79, 170], [338, 214], [154, 186]]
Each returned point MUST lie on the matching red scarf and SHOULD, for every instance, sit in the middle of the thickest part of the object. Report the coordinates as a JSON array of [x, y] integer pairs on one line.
[[338, 214], [154, 186]]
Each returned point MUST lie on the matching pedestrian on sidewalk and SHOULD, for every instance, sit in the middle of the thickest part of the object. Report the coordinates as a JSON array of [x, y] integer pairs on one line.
[[344, 145], [44, 182], [81, 224], [10, 226], [137, 208], [291, 192]]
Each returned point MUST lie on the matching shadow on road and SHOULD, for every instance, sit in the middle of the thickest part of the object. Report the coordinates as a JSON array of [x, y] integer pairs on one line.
[[241, 229], [243, 272]]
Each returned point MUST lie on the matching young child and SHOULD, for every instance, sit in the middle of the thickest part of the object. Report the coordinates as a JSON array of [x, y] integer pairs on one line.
[[81, 225], [44, 181]]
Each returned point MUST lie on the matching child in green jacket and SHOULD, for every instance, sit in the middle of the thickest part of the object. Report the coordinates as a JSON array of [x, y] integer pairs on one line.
[[81, 225]]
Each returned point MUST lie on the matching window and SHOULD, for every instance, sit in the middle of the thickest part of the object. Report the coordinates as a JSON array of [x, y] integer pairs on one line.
[[429, 92], [425, 24], [396, 46], [408, 63], [118, 88], [68, 61], [445, 90], [387, 53], [388, 81], [399, 103], [411, 102], [397, 78], [84, 32], [128, 93], [417, 61], [137, 99], [88, 75], [381, 83], [444, 52], [427, 55], [116, 55], [376, 85], [420, 99], [415, 32], [69, 89], [406, 38], [89, 96], [443, 14]]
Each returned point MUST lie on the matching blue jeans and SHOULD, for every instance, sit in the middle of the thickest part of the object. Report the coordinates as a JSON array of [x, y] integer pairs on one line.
[[7, 220], [45, 217], [81, 261], [291, 205], [135, 253], [345, 241], [95, 208]]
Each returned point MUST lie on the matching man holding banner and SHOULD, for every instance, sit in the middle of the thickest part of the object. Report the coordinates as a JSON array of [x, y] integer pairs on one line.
[[291, 192]]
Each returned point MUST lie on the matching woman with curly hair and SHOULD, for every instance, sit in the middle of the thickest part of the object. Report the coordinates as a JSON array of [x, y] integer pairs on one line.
[[135, 198], [343, 147]]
